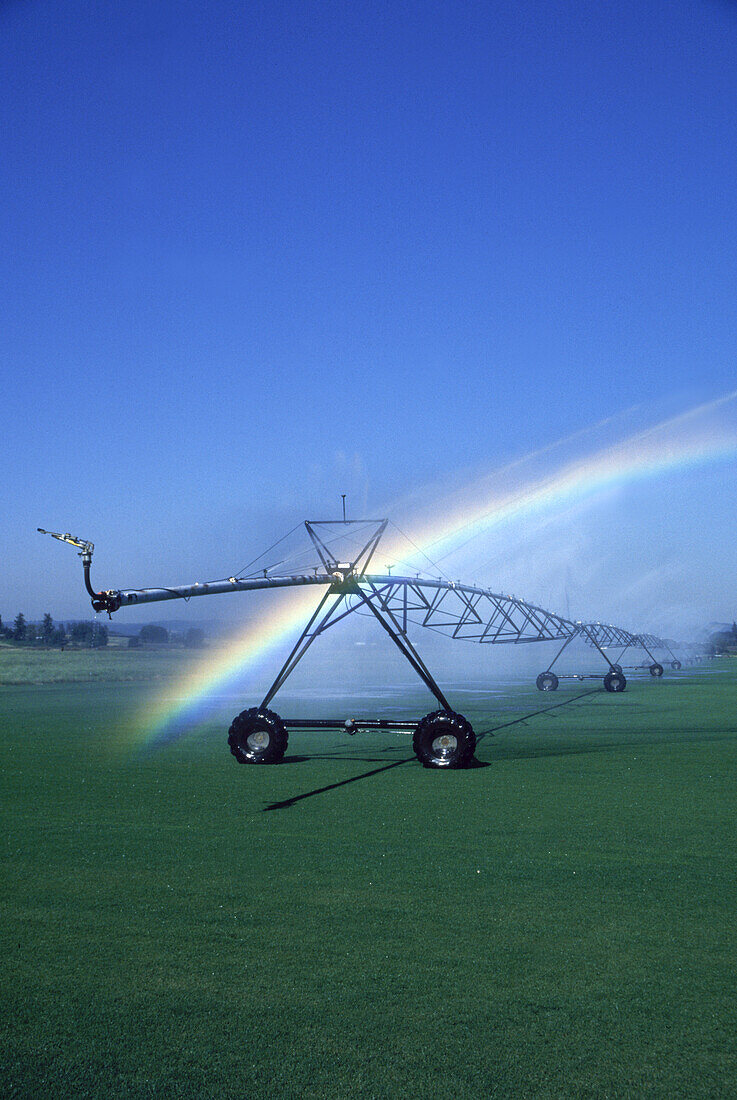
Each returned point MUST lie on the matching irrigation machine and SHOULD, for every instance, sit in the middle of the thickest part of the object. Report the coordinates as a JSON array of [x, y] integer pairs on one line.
[[603, 637], [442, 738]]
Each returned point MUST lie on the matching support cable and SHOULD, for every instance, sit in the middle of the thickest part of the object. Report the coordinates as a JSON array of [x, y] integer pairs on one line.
[[297, 554], [264, 552], [419, 550]]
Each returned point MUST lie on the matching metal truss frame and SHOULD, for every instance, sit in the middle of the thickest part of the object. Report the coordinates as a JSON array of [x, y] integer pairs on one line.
[[459, 611], [610, 636]]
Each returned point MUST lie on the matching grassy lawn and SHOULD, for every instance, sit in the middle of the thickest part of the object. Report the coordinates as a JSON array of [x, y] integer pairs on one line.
[[20, 665], [558, 923]]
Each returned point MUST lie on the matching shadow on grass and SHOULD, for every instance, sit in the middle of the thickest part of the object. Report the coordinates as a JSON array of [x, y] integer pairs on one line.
[[535, 713], [348, 754], [286, 803], [634, 741]]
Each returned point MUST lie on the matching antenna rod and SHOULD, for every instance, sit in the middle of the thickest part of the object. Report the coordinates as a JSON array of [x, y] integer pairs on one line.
[[343, 496]]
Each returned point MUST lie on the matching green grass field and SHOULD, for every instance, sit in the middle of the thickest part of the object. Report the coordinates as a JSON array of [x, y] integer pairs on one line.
[[558, 923], [19, 665]]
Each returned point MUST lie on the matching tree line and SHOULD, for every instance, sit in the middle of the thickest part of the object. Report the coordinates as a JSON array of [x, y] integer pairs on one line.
[[723, 641], [90, 635], [159, 635]]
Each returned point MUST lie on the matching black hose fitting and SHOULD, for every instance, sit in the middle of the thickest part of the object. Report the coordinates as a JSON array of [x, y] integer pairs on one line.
[[101, 601]]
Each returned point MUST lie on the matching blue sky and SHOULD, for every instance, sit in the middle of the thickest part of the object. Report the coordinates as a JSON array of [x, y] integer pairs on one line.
[[258, 254]]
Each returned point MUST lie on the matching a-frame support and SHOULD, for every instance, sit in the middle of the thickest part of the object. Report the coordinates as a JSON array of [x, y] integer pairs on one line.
[[349, 577], [317, 625]]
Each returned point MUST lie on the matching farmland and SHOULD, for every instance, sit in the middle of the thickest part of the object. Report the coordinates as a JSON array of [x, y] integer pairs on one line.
[[558, 921], [19, 665]]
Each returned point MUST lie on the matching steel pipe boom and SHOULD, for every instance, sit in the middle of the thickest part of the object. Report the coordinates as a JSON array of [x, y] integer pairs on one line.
[[459, 610], [134, 596], [462, 611]]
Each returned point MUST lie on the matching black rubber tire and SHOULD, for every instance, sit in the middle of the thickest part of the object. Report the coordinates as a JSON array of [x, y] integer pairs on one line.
[[676, 665], [444, 725], [269, 748], [617, 668], [615, 681], [656, 670], [547, 681]]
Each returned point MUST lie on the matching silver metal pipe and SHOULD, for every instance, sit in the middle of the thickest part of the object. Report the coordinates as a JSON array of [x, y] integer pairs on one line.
[[604, 634], [132, 597]]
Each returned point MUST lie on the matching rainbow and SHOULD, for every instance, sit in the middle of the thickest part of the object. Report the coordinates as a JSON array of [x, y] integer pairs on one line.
[[682, 443]]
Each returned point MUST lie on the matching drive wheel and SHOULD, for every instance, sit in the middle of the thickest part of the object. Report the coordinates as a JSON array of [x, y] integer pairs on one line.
[[547, 681], [656, 670], [258, 736], [675, 664], [615, 681], [444, 739]]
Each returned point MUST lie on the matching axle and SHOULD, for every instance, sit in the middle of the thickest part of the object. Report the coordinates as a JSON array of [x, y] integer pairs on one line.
[[349, 725]]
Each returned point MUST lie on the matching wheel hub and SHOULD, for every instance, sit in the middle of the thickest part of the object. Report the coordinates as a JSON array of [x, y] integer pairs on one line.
[[445, 744], [257, 740]]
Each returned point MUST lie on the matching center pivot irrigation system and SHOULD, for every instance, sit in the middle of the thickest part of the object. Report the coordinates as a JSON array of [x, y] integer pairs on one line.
[[441, 739]]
